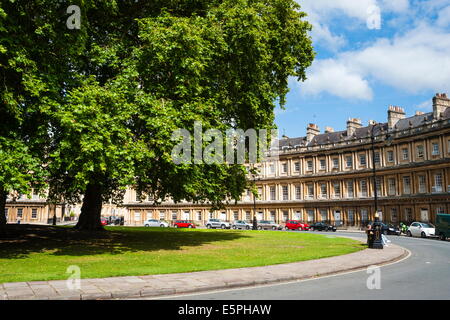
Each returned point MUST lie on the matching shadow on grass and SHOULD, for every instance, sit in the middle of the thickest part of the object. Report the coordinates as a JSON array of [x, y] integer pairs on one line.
[[24, 240]]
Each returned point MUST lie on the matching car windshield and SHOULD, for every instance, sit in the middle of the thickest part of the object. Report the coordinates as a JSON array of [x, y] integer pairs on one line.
[[427, 225]]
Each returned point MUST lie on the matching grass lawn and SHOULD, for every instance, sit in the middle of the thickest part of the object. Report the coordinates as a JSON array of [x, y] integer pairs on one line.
[[44, 253]]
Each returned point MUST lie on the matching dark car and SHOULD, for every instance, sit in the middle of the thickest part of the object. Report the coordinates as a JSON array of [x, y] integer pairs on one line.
[[321, 226], [388, 229]]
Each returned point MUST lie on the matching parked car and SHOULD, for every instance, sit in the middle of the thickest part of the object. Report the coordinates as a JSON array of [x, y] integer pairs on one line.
[[442, 226], [183, 224], [156, 223], [241, 224], [296, 225], [421, 229], [268, 225], [388, 229], [104, 222], [217, 223], [321, 226]]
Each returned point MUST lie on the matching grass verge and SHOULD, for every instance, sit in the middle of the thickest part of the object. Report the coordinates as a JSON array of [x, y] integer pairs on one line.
[[33, 253]]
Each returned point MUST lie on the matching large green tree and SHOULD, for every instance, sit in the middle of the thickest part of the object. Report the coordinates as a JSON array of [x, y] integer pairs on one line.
[[137, 70]]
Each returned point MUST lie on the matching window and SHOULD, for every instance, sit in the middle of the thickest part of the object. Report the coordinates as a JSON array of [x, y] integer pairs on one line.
[[419, 150], [440, 210], [186, 215], [390, 156], [422, 184], [285, 216], [210, 215], [350, 193], [20, 213], [323, 165], [199, 215], [335, 163], [272, 215], [272, 193], [285, 192], [174, 215], [310, 214], [323, 190], [437, 183], [406, 185], [391, 187], [247, 216], [405, 154], [364, 215], [363, 188], [408, 214], [337, 190], [6, 214], [310, 165], [348, 161], [378, 185], [33, 213], [351, 216], [235, 215], [260, 193], [271, 168], [394, 215], [137, 216], [323, 215], [284, 167], [162, 215], [377, 158], [297, 166], [435, 149], [298, 194], [362, 159], [310, 191]]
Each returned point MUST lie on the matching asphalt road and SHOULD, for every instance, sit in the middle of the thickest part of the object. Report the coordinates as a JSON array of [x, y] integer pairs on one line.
[[425, 274]]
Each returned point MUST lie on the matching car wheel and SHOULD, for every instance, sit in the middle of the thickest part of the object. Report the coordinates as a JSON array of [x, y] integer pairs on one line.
[[442, 237], [300, 229], [408, 233], [234, 227], [162, 226], [259, 228], [189, 226], [176, 226], [223, 226], [423, 235], [146, 225], [247, 228], [208, 226], [274, 228]]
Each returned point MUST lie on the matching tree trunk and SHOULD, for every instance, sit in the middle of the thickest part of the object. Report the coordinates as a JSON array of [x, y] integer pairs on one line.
[[91, 209], [3, 196]]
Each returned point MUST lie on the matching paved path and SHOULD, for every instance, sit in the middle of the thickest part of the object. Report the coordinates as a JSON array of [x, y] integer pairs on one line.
[[136, 287]]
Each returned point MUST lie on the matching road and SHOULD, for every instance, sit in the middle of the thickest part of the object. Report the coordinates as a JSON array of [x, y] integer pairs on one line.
[[425, 274]]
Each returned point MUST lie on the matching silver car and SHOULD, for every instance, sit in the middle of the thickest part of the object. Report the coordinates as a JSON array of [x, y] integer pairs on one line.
[[268, 225], [156, 223], [241, 224], [217, 223]]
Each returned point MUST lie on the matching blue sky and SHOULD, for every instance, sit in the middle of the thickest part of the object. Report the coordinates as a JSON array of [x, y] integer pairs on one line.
[[370, 54]]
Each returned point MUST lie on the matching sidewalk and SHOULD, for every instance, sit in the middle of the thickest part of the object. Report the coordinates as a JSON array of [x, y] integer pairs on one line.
[[132, 287]]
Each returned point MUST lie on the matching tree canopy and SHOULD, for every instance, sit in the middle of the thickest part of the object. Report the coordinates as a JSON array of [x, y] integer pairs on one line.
[[106, 98]]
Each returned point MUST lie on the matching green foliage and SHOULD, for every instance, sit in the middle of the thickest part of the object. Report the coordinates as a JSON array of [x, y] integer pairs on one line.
[[99, 104]]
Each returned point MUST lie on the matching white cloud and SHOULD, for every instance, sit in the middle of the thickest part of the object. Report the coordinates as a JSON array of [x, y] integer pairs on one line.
[[337, 79], [444, 17], [415, 62]]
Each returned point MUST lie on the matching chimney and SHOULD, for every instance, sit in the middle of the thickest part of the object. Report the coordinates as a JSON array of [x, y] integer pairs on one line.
[[394, 114], [311, 131], [329, 130], [352, 125], [440, 103], [419, 113]]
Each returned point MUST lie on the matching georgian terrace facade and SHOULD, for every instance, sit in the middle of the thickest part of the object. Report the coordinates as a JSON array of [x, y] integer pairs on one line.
[[329, 176], [321, 177]]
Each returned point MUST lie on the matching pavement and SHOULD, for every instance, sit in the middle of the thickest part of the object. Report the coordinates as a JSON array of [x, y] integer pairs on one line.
[[153, 286]]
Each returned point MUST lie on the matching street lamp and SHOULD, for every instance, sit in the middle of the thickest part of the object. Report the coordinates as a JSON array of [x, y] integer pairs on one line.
[[255, 223]]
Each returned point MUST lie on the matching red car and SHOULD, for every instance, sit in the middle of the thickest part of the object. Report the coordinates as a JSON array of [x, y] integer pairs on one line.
[[296, 225], [183, 224], [104, 222]]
